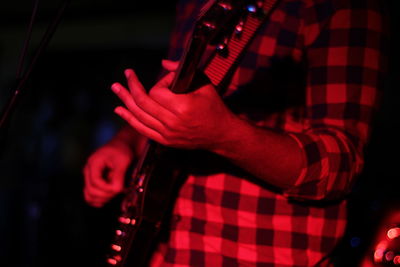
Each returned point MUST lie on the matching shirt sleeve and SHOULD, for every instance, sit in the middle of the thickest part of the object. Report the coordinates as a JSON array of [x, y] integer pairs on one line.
[[346, 65]]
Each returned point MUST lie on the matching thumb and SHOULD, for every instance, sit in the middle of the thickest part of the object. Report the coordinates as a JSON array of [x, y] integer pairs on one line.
[[169, 64], [166, 81]]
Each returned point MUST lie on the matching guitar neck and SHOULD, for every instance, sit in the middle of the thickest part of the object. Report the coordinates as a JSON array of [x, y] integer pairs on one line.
[[187, 69]]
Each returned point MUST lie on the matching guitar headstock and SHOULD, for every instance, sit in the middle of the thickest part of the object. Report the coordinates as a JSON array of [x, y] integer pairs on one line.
[[224, 15], [218, 21]]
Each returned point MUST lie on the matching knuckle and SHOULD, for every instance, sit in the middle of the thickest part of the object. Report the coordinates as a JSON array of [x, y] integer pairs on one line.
[[131, 121], [169, 135], [88, 195], [157, 95], [95, 182], [171, 126], [113, 192], [153, 93], [116, 189], [181, 109], [140, 101], [165, 140], [171, 138], [185, 111]]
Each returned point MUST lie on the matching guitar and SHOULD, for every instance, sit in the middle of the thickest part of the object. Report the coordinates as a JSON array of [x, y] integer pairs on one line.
[[156, 177]]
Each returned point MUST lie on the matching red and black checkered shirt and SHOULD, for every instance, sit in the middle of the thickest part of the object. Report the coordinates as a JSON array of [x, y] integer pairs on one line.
[[314, 72]]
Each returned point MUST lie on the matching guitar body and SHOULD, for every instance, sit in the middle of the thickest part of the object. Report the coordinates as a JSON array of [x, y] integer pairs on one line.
[[151, 196]]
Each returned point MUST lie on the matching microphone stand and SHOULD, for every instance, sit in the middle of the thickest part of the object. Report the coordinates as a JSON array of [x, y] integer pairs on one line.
[[20, 84]]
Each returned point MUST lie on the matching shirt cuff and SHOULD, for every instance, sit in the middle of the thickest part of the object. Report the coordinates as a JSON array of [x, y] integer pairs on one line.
[[330, 164]]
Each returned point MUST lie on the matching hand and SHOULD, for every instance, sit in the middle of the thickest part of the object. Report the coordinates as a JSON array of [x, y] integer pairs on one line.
[[105, 171], [198, 119]]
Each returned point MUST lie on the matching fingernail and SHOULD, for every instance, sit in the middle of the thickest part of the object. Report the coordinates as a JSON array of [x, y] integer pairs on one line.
[[117, 110], [127, 73], [115, 88]]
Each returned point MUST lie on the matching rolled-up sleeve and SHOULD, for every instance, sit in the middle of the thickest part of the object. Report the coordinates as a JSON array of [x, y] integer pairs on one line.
[[346, 65]]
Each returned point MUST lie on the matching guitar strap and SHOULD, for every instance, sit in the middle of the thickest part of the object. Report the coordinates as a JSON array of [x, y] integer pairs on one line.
[[221, 67]]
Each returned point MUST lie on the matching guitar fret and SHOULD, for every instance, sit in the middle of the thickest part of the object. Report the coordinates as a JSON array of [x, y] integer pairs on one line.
[[219, 66]]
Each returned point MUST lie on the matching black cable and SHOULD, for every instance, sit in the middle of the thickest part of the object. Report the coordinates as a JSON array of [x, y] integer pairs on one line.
[[21, 82], [27, 40]]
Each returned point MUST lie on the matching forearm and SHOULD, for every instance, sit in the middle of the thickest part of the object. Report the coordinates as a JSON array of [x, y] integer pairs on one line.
[[273, 157]]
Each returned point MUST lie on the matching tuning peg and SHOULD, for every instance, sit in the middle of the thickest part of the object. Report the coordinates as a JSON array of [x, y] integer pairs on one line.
[[222, 48], [225, 6], [255, 7], [252, 8], [239, 29]]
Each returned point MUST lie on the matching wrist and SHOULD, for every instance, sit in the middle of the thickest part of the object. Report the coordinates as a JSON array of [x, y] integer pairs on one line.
[[231, 136]]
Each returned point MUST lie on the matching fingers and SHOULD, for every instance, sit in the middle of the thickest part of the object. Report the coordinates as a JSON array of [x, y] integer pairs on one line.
[[148, 116], [165, 82], [163, 96], [94, 179], [170, 65], [145, 102], [142, 128], [98, 189], [142, 116], [92, 195], [92, 199]]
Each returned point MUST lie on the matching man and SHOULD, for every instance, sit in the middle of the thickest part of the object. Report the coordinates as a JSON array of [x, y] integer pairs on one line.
[[288, 138]]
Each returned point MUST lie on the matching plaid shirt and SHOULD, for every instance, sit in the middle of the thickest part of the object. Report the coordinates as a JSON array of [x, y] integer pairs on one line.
[[313, 71]]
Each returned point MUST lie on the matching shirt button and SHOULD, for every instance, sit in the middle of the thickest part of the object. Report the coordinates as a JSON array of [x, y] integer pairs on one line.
[[175, 219]]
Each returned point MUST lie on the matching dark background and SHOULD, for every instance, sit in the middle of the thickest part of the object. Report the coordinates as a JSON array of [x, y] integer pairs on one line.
[[66, 113]]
